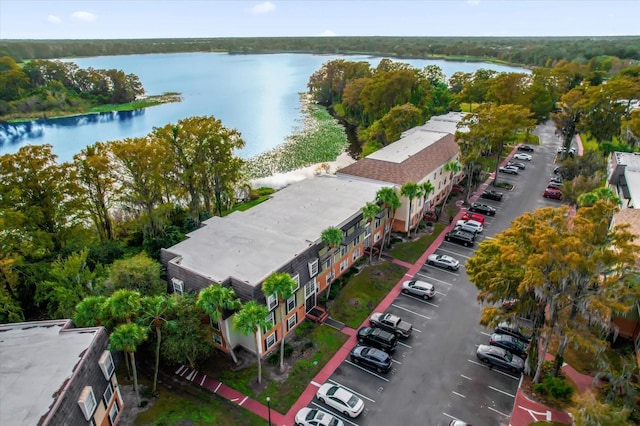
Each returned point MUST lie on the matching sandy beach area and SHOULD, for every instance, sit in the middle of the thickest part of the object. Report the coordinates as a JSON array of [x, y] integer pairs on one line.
[[280, 180]]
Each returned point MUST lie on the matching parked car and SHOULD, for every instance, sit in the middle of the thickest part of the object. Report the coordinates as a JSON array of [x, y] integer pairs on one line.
[[313, 417], [461, 225], [527, 148], [443, 261], [482, 208], [498, 357], [391, 323], [461, 237], [510, 343], [517, 164], [557, 170], [510, 170], [506, 327], [419, 288], [471, 224], [341, 399], [473, 216], [554, 185], [490, 194], [378, 338], [523, 157], [371, 357], [456, 422], [552, 193], [556, 179]]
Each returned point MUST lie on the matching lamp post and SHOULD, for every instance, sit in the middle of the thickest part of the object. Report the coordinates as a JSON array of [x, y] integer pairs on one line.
[[269, 409]]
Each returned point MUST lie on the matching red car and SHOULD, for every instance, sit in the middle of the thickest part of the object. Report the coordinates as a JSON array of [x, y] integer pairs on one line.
[[552, 193], [474, 216]]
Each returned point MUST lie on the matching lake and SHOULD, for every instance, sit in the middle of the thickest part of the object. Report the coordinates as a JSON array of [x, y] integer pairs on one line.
[[255, 94]]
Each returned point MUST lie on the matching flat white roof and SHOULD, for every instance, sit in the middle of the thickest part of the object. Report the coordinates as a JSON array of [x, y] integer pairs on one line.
[[407, 146], [36, 360], [251, 245]]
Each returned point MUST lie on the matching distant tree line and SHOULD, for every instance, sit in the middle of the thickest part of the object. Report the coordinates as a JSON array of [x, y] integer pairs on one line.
[[56, 86], [531, 51]]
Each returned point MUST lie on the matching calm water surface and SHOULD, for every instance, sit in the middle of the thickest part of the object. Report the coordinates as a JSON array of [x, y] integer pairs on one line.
[[256, 94]]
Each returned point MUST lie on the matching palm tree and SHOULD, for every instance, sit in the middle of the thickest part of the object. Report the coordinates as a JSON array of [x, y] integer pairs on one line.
[[369, 212], [250, 319], [390, 200], [90, 312], [282, 286], [427, 188], [411, 190], [453, 167], [121, 307], [214, 300], [153, 310], [332, 237], [127, 338]]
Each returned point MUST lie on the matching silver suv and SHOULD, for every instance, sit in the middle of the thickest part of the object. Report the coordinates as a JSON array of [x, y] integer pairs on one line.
[[419, 288]]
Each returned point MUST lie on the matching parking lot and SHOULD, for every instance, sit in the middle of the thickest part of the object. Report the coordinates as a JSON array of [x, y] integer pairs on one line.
[[436, 376]]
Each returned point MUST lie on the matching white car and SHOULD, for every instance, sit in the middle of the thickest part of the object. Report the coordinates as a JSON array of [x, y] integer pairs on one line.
[[477, 226], [313, 417], [419, 288], [521, 156], [341, 399], [443, 261]]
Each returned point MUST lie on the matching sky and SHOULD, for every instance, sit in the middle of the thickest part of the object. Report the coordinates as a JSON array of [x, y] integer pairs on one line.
[[113, 19]]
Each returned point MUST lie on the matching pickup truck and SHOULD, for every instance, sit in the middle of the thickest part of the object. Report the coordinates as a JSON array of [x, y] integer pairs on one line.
[[391, 323]]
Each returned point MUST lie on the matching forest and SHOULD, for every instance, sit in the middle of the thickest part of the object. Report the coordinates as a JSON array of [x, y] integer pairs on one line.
[[528, 51]]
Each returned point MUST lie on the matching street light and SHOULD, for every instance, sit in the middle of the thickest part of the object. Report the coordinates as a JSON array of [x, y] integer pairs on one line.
[[269, 409]]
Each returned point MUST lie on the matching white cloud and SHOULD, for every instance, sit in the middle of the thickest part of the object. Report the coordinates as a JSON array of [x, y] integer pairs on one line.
[[473, 2], [264, 7], [82, 16], [54, 19], [327, 33]]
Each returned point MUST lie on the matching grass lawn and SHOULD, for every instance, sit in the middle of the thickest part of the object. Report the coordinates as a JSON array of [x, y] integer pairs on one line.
[[364, 291], [412, 250], [320, 344], [180, 408], [589, 143]]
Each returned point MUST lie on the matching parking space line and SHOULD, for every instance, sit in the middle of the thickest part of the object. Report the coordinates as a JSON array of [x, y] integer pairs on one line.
[[415, 329], [468, 378], [485, 333], [404, 344], [364, 369], [351, 390], [496, 370], [397, 362], [459, 394], [410, 311], [453, 252], [441, 293], [450, 416], [499, 412], [419, 299], [316, 384], [333, 414], [435, 268], [501, 391], [434, 279]]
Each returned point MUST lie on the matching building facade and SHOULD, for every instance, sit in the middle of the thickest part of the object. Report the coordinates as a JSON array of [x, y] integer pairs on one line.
[[54, 374]]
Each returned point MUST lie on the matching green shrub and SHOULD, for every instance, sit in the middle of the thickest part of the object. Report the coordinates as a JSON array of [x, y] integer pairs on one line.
[[274, 358], [304, 328], [554, 387]]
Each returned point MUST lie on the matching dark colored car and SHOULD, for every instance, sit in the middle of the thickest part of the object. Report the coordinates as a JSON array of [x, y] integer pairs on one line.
[[482, 208], [461, 237], [378, 338], [517, 164], [525, 148], [371, 357], [490, 194], [498, 357], [512, 330], [510, 343], [552, 193]]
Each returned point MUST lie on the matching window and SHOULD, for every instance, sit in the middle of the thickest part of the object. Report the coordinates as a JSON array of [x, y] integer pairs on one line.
[[296, 278], [313, 268], [327, 264], [178, 285], [108, 393], [378, 222], [291, 303], [435, 175], [271, 318], [87, 402], [271, 340], [329, 277], [113, 413], [309, 288], [292, 321], [376, 237], [272, 302], [106, 364], [343, 250], [217, 339], [356, 254], [356, 241], [343, 265], [214, 325]]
